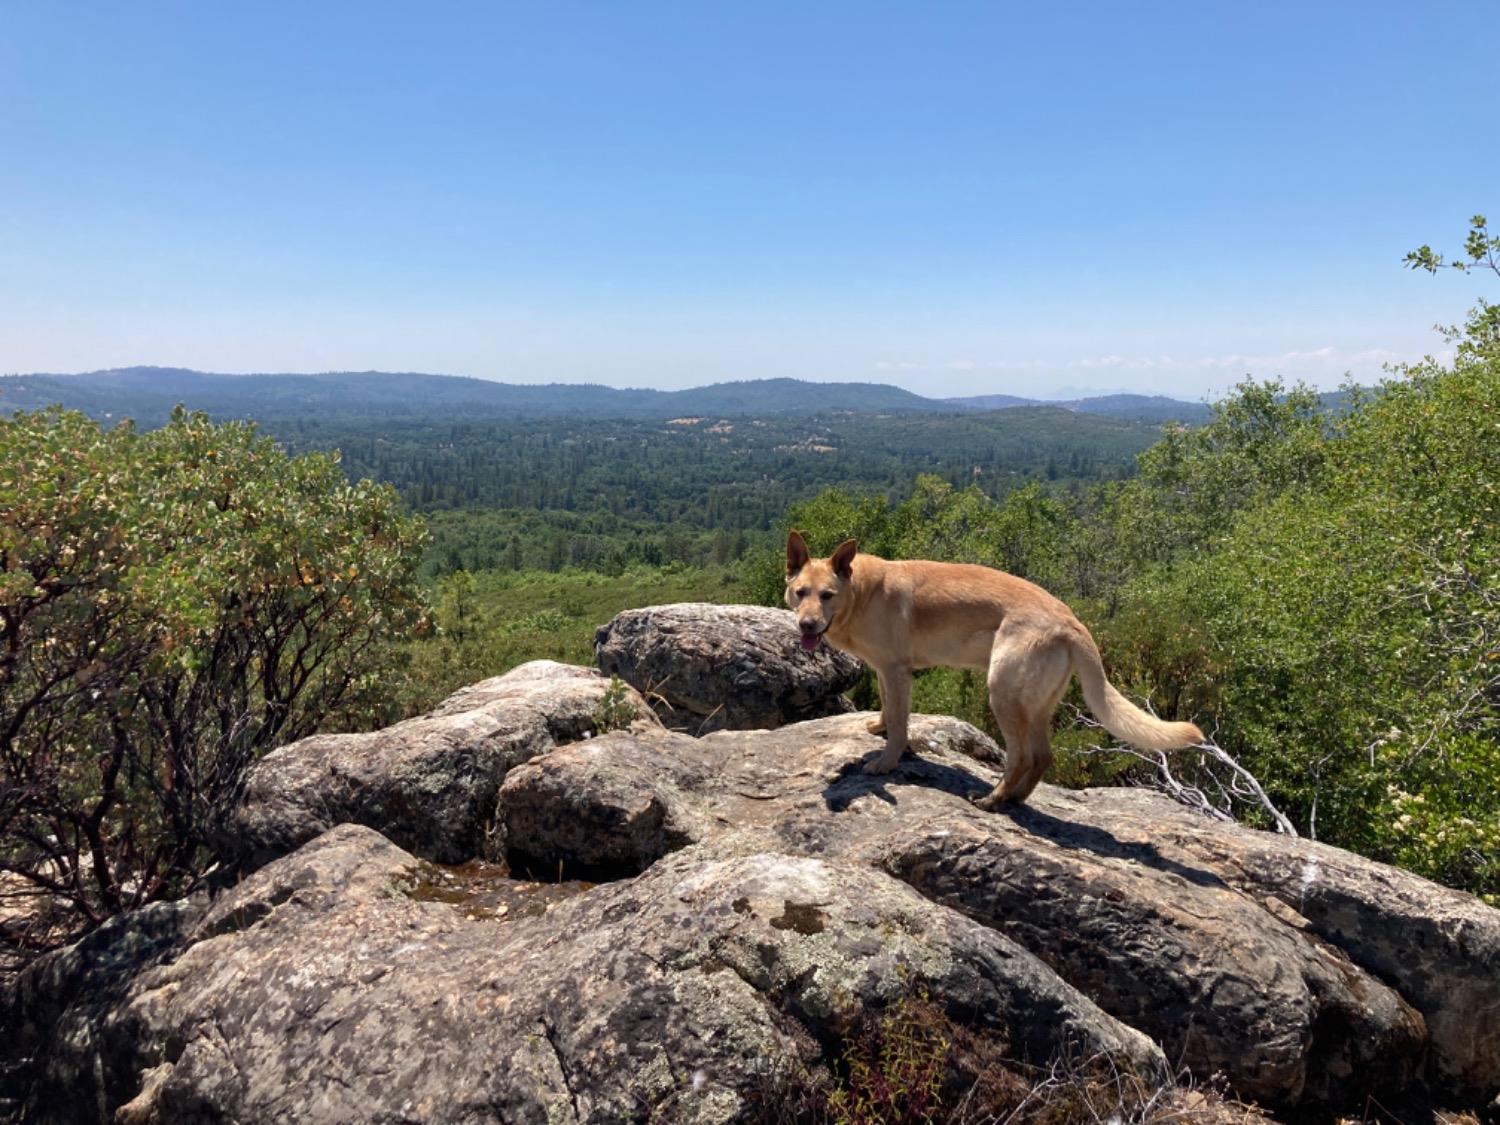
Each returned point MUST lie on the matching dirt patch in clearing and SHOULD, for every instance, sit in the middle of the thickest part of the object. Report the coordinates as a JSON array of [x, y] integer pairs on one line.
[[489, 892]]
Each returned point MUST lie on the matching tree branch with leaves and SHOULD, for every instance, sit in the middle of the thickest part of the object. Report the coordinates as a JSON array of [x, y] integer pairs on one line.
[[1482, 251]]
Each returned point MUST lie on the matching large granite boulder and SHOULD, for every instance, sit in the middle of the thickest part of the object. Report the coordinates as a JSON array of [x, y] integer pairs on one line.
[[716, 667], [325, 988], [1226, 981], [759, 900], [429, 783], [1438, 947]]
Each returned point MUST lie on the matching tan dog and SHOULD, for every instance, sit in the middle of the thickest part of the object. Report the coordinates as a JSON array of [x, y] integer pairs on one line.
[[901, 616]]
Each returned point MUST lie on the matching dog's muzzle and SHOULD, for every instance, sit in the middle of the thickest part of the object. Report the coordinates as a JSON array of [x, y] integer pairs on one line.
[[811, 635]]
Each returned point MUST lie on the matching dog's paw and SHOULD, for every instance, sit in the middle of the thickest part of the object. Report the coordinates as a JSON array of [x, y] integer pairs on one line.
[[886, 762], [875, 726], [991, 801]]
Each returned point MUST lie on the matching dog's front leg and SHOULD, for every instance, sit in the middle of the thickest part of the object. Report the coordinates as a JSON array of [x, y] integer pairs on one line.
[[895, 708], [877, 726]]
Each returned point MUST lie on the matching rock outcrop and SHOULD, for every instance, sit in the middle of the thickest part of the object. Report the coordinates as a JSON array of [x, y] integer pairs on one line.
[[758, 899], [724, 667], [1226, 981], [429, 783], [325, 988]]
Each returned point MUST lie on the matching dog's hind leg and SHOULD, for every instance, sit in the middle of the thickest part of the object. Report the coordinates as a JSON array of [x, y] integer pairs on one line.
[[1017, 764], [1039, 758], [1040, 732], [1027, 678]]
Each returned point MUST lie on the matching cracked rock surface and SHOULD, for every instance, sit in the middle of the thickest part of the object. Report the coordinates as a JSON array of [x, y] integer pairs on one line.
[[427, 783], [1166, 931], [757, 896], [325, 988]]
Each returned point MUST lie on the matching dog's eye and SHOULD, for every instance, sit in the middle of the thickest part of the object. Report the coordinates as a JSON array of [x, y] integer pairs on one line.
[[826, 594], [802, 593]]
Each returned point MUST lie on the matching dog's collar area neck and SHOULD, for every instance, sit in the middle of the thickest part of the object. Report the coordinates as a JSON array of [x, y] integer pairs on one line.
[[839, 616]]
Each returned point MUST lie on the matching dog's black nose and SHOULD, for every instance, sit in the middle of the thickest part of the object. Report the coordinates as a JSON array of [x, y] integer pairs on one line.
[[808, 626]]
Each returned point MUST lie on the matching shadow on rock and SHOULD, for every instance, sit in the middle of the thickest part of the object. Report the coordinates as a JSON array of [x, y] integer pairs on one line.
[[853, 783], [1089, 838]]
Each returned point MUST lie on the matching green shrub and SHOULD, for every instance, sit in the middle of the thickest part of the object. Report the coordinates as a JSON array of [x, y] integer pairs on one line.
[[172, 604], [1342, 628]]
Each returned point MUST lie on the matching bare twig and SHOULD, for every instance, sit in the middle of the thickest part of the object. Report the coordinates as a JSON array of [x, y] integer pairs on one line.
[[1237, 786]]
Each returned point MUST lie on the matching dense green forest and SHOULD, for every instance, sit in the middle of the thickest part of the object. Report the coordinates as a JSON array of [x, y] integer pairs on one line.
[[549, 477], [732, 472], [607, 494]]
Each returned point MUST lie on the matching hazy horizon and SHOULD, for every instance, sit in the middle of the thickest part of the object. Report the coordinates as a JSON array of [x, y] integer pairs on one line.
[[1064, 392], [955, 200]]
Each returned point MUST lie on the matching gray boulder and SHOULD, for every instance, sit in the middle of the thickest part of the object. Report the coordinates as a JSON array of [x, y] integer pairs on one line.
[[715, 667], [324, 988], [1228, 978], [429, 783], [1438, 947]]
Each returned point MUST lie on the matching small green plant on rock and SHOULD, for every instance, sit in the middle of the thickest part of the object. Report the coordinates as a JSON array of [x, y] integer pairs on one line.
[[615, 709], [913, 1064], [895, 1070]]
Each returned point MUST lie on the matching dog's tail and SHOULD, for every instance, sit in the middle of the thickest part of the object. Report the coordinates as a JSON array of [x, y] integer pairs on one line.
[[1120, 717]]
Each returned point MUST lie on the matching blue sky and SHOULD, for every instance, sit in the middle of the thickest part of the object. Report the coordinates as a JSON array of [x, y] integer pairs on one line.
[[958, 198]]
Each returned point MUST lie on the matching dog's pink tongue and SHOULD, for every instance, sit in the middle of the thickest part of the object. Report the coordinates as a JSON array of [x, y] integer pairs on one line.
[[810, 641]]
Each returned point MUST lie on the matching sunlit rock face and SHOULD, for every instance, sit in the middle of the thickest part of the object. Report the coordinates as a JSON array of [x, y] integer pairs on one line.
[[428, 783], [497, 912]]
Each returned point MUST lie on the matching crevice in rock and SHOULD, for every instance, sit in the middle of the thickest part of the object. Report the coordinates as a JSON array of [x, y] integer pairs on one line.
[[558, 871], [549, 1036], [243, 918]]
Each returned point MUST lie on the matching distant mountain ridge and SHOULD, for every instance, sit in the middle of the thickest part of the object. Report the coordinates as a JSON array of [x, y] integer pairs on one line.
[[1127, 407], [149, 393]]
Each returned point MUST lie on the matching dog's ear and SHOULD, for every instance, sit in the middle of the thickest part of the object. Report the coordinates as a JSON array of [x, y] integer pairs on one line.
[[843, 558], [796, 553]]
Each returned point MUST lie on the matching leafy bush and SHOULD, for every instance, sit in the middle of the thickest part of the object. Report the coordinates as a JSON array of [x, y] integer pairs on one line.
[[1357, 623], [171, 605], [1264, 440]]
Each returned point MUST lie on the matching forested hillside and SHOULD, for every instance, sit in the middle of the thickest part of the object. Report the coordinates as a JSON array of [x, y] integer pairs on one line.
[[148, 395], [691, 489]]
